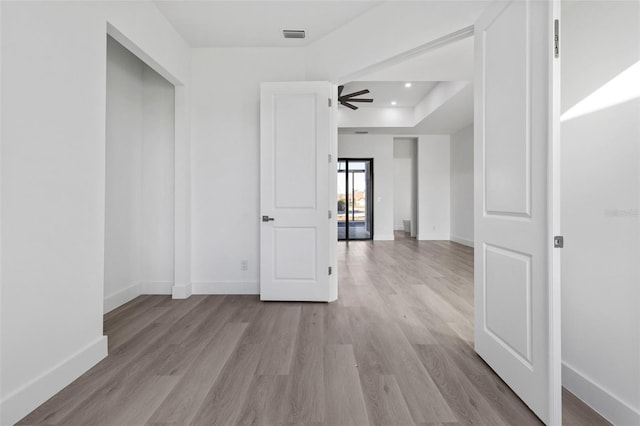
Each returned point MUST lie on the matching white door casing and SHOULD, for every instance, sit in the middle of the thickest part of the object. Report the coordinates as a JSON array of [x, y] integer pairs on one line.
[[295, 142], [517, 328]]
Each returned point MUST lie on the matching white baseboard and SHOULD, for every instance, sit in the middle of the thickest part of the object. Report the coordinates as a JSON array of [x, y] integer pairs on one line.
[[182, 291], [398, 228], [377, 237], [21, 402], [156, 287], [462, 241], [121, 297], [601, 400], [228, 287], [433, 237]]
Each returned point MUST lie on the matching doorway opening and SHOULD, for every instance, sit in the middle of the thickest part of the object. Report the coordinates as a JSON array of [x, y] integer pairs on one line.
[[405, 186], [139, 201], [355, 199]]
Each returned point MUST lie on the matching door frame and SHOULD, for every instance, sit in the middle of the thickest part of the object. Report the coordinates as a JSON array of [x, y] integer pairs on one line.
[[370, 160], [554, 222], [181, 287]]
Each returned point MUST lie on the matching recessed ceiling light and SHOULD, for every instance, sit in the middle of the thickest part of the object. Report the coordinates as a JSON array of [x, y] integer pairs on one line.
[[407, 85], [393, 103]]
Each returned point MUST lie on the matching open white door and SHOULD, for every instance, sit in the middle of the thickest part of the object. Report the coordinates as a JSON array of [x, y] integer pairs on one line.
[[295, 143], [517, 303]]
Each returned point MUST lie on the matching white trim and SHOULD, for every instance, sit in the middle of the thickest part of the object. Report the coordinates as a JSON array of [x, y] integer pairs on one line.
[[132, 47], [182, 188], [462, 241], [430, 237], [398, 228], [601, 400], [125, 295], [158, 287], [389, 237], [27, 398], [226, 287], [554, 257], [181, 291], [445, 40], [121, 297]]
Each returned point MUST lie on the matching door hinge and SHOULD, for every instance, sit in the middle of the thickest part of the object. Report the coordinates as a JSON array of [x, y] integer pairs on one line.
[[558, 241], [330, 158], [330, 214], [329, 101], [556, 38], [330, 270]]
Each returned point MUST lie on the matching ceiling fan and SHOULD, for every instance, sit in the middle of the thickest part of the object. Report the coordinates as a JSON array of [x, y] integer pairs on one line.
[[347, 100]]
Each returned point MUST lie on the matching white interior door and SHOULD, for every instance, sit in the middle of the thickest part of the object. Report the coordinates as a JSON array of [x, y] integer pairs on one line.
[[295, 144], [516, 121]]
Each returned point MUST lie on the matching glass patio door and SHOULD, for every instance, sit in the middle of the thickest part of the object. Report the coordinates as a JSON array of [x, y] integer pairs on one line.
[[355, 199]]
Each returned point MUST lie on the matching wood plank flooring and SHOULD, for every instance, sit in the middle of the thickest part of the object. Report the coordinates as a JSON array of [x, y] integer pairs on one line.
[[395, 349]]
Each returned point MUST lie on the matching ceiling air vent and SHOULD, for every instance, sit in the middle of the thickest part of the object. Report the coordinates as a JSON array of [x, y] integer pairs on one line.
[[361, 132], [294, 33]]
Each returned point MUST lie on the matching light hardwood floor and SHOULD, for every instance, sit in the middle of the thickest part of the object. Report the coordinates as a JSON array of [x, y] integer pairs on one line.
[[395, 349]]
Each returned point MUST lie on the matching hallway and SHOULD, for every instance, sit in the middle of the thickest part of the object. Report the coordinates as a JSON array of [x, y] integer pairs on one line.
[[396, 348]]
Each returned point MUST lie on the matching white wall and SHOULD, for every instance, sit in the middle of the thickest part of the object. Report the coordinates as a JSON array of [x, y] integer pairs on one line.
[[462, 186], [380, 148], [404, 185], [345, 50], [139, 221], [600, 214], [53, 185], [376, 117], [225, 161], [433, 187], [158, 148], [124, 133]]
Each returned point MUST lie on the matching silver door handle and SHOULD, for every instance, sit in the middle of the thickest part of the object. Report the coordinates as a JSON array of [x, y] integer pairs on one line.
[[267, 219]]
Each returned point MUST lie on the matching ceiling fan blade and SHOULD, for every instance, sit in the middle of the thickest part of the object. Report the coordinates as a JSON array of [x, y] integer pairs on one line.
[[351, 95], [348, 105], [360, 100], [340, 89]]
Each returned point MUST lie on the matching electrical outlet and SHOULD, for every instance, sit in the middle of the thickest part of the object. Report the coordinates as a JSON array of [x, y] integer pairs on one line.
[[244, 265]]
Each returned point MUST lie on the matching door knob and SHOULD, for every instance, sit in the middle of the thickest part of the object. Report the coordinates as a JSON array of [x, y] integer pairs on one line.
[[267, 219]]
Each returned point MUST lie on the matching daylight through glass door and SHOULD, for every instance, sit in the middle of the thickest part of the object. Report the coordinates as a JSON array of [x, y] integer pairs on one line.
[[355, 199]]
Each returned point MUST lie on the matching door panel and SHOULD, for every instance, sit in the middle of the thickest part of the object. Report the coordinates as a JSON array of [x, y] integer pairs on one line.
[[507, 152], [295, 160], [516, 321], [295, 142], [508, 300], [296, 248]]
